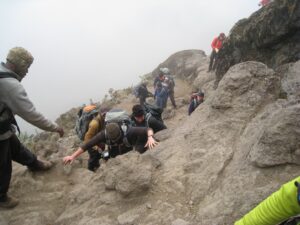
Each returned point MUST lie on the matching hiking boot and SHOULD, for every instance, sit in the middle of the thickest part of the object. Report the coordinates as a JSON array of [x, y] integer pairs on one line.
[[9, 203], [40, 165]]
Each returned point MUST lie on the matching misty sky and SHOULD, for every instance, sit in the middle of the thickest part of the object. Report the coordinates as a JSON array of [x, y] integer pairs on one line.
[[84, 47]]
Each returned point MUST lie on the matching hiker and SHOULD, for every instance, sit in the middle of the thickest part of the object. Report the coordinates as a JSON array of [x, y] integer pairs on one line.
[[195, 101], [143, 119], [171, 85], [263, 3], [143, 93], [94, 127], [14, 100], [119, 142], [161, 94], [216, 45]]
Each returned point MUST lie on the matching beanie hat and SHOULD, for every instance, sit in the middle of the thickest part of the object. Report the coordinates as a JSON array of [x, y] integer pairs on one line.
[[113, 132], [137, 111], [20, 57]]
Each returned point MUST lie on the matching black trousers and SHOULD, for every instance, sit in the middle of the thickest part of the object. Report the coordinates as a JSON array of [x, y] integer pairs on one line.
[[93, 162], [172, 98], [142, 100], [213, 60], [12, 149]]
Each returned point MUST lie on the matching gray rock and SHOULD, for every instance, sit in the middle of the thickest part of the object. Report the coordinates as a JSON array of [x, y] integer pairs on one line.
[[130, 174], [264, 37], [180, 222]]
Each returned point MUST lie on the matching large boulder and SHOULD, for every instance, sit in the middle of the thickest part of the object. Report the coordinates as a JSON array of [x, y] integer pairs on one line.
[[271, 35], [185, 64]]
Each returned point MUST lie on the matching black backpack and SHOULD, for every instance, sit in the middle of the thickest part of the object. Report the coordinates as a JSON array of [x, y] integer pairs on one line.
[[153, 110], [6, 116], [122, 118]]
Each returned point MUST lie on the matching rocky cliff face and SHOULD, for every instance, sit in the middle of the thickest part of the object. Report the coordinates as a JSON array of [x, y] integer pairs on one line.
[[271, 35], [238, 147]]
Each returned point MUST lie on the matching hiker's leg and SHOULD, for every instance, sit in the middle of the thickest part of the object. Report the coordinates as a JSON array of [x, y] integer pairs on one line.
[[142, 100], [172, 98], [5, 167], [158, 102], [93, 162], [114, 151], [215, 61], [191, 108], [140, 143], [20, 154], [212, 57]]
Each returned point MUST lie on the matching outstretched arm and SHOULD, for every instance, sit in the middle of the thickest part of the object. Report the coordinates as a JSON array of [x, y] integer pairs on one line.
[[151, 143], [70, 158]]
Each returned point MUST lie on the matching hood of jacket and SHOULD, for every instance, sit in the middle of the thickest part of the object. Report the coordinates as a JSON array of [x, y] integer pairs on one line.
[[4, 70]]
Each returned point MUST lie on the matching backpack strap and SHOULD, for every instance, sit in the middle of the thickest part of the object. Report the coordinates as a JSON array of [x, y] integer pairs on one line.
[[124, 129], [147, 118], [8, 75]]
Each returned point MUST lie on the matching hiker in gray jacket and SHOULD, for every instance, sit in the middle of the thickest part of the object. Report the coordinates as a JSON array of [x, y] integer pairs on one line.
[[14, 100]]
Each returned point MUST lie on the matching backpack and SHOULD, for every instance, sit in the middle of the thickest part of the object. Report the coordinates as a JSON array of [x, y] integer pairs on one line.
[[122, 118], [152, 110], [6, 116], [83, 120], [171, 82], [292, 221]]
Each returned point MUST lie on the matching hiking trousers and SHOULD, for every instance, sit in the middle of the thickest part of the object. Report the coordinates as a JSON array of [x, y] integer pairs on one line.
[[172, 98], [142, 100], [93, 162], [12, 149], [213, 60]]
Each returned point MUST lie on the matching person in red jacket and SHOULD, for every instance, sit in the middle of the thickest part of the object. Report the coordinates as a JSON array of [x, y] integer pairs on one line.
[[216, 45], [264, 2]]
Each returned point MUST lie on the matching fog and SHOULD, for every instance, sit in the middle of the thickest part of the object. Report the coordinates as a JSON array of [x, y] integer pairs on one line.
[[82, 48]]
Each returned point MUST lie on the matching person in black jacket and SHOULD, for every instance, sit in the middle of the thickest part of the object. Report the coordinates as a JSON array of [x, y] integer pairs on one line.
[[143, 93], [139, 138], [143, 119], [196, 99]]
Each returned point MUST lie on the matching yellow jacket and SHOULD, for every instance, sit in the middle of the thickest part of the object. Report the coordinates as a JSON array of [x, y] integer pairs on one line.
[[95, 126]]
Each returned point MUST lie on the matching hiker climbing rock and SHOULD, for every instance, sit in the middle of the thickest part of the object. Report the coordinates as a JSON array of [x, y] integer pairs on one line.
[[161, 94], [14, 100], [143, 119], [121, 141], [88, 125], [196, 99], [167, 81], [142, 92], [216, 45]]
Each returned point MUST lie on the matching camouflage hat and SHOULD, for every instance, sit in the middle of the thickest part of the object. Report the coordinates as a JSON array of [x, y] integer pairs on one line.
[[20, 57]]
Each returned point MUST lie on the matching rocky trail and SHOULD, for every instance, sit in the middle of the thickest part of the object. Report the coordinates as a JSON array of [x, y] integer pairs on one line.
[[212, 167]]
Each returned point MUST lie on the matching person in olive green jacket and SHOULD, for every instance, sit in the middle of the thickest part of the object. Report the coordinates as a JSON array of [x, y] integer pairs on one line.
[[277, 208]]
